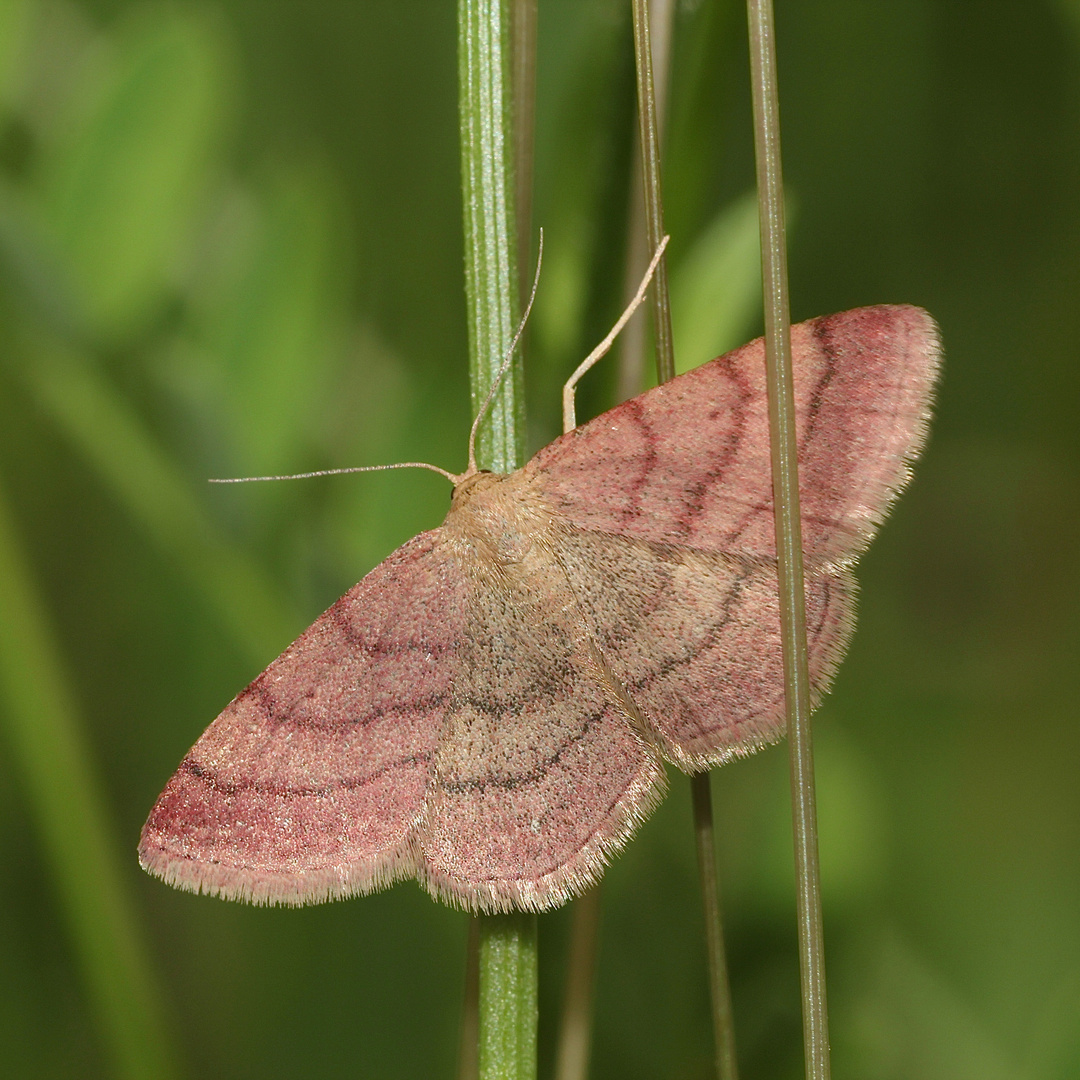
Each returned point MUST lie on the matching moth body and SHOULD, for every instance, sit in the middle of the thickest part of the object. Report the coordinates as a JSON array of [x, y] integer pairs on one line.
[[488, 710]]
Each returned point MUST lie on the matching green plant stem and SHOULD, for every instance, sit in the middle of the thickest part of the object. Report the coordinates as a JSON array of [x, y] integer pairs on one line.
[[44, 738], [784, 447], [488, 185], [508, 996], [489, 120], [649, 126]]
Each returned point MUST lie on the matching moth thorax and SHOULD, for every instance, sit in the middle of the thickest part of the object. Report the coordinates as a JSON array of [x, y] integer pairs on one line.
[[499, 518]]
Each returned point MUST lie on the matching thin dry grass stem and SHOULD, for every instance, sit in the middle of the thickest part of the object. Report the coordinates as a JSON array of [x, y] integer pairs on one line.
[[649, 132], [575, 1029], [631, 368], [649, 128], [788, 533], [727, 1067], [524, 60], [468, 1048]]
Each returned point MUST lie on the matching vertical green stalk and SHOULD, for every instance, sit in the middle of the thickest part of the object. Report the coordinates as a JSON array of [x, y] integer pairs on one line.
[[723, 1026], [784, 446], [43, 736], [488, 187], [508, 996], [489, 120]]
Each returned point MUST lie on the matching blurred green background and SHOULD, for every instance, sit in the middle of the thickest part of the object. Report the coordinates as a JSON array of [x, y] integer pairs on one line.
[[230, 243]]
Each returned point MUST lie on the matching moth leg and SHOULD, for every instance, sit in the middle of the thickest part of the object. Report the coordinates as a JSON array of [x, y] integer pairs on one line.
[[569, 420]]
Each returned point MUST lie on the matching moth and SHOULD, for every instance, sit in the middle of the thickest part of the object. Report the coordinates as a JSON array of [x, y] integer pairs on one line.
[[488, 711]]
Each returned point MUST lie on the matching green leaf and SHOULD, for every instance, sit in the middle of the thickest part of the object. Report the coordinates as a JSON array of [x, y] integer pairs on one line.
[[125, 174], [716, 288]]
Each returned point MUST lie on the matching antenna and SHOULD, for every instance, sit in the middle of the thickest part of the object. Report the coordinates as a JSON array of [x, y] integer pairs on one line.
[[454, 479], [338, 472]]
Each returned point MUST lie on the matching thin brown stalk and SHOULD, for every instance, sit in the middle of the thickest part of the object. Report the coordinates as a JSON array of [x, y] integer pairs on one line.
[[524, 46], [727, 1066], [665, 369], [631, 374], [788, 533], [575, 1029], [654, 205]]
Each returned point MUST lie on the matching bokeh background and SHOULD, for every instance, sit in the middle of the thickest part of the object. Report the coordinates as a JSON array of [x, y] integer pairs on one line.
[[230, 243]]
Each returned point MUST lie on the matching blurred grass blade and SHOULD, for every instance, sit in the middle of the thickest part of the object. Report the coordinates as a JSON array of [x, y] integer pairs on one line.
[[36, 269], [469, 1035], [582, 154], [131, 161], [42, 730], [153, 491], [15, 16], [716, 288], [266, 320]]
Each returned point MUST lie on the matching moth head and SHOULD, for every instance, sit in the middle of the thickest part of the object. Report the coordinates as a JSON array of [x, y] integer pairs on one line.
[[471, 485]]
